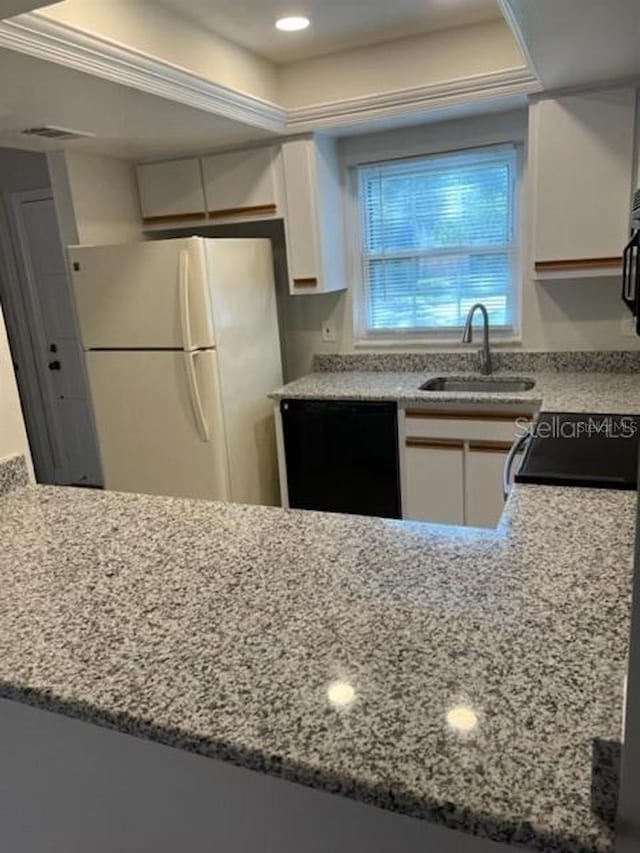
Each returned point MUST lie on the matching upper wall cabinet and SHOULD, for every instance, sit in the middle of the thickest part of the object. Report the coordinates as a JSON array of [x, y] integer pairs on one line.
[[298, 181], [171, 190], [241, 184], [313, 221], [581, 156]]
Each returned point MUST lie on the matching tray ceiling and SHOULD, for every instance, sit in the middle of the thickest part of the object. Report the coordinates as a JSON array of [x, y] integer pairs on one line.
[[336, 24]]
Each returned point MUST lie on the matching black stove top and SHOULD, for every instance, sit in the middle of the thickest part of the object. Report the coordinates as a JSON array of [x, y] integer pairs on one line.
[[594, 451]]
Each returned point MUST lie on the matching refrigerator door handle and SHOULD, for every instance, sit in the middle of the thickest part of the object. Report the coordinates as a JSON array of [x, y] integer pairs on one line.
[[185, 305], [195, 396]]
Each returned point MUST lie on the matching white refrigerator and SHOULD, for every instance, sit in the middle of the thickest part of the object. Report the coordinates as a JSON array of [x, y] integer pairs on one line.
[[182, 347]]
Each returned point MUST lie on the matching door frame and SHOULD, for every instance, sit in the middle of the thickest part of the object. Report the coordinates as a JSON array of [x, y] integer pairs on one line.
[[22, 313]]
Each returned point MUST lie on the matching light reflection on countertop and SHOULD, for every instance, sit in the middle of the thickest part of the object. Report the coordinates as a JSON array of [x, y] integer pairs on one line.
[[341, 695], [462, 719]]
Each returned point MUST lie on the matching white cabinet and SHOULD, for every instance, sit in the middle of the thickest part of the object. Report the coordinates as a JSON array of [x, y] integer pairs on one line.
[[452, 464], [313, 220], [434, 481], [299, 181], [241, 184], [581, 158], [484, 498], [171, 190]]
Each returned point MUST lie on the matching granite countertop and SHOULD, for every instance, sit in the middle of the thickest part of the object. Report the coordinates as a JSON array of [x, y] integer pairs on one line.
[[330, 650], [553, 391]]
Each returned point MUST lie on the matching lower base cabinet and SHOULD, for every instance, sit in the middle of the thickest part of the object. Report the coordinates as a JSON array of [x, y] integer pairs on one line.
[[452, 465]]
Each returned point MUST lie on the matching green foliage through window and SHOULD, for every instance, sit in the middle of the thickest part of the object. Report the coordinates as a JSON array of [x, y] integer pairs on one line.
[[438, 234]]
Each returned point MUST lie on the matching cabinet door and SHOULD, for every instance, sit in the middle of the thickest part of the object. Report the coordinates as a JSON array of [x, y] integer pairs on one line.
[[582, 159], [303, 247], [313, 221], [434, 481], [240, 183], [483, 494], [171, 190]]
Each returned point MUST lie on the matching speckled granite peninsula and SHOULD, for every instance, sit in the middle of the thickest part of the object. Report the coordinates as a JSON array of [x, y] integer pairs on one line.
[[218, 628]]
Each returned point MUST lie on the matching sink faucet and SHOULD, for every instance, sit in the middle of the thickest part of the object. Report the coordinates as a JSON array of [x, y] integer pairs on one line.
[[484, 354]]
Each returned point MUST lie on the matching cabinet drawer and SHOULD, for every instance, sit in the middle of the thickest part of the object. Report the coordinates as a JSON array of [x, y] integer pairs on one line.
[[490, 427]]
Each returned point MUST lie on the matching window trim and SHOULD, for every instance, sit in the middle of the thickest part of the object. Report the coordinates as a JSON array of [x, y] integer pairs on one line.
[[451, 336]]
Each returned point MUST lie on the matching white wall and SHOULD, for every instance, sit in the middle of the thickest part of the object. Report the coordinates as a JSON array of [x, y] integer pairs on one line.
[[403, 63], [17, 7], [562, 315], [154, 30], [22, 171], [13, 435], [415, 61], [96, 198]]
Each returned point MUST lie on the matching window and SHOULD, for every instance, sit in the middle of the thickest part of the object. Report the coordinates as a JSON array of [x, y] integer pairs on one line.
[[438, 234]]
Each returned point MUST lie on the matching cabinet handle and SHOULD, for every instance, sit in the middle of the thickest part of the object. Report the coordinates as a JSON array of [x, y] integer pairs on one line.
[[257, 209], [461, 415], [490, 446], [577, 264], [173, 217], [305, 282], [437, 443]]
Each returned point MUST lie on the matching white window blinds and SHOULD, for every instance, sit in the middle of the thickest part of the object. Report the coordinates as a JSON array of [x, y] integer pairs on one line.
[[438, 234]]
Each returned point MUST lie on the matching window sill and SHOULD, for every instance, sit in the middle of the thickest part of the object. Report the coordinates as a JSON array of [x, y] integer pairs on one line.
[[433, 343]]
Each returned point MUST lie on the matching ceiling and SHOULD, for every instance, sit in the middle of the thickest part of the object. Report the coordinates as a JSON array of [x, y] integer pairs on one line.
[[576, 42], [9, 8], [127, 122], [336, 24]]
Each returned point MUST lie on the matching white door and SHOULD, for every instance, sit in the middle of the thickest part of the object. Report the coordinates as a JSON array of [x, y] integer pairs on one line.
[[484, 489], [151, 295], [54, 335], [434, 474], [159, 422]]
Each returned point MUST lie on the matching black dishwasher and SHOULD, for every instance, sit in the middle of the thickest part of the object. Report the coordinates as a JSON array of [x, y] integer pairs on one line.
[[342, 456]]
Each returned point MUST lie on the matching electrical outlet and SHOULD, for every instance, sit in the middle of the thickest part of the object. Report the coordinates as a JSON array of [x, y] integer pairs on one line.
[[328, 332], [628, 327]]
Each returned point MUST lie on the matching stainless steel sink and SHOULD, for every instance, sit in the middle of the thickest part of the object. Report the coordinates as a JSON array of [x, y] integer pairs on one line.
[[482, 384]]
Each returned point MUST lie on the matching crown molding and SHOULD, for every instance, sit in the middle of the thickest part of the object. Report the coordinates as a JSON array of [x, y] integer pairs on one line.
[[413, 101], [39, 36], [512, 22]]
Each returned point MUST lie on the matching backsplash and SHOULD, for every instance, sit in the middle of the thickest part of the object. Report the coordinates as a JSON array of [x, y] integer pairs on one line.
[[13, 474], [611, 361]]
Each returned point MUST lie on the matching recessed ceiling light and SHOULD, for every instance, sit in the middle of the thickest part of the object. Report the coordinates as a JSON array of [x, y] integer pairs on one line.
[[292, 24]]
